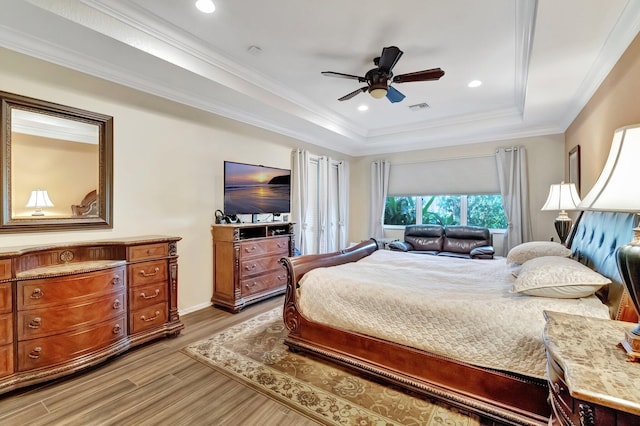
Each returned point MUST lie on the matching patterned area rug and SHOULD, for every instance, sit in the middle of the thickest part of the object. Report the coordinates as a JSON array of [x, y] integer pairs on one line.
[[253, 353]]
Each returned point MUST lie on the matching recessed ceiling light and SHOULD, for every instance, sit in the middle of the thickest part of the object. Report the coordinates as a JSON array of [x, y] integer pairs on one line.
[[363, 107], [206, 6], [474, 83]]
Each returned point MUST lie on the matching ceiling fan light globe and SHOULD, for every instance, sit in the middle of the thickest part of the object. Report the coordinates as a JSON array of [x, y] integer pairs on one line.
[[378, 93]]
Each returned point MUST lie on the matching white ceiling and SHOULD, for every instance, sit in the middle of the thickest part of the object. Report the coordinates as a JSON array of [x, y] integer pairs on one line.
[[540, 61]]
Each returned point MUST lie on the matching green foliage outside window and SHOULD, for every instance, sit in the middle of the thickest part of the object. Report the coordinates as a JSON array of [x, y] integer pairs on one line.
[[486, 210], [481, 210], [441, 210], [400, 211]]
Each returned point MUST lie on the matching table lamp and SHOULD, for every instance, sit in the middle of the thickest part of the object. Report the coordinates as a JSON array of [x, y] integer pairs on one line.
[[563, 196], [618, 189]]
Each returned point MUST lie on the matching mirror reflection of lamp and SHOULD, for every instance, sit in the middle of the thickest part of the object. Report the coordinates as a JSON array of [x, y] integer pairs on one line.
[[39, 198]]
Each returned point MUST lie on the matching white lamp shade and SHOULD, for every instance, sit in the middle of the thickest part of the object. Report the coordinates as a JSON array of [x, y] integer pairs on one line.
[[39, 198], [563, 196], [617, 188]]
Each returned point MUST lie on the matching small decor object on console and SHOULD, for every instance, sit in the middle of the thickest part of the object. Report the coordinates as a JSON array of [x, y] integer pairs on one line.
[[563, 197], [617, 190]]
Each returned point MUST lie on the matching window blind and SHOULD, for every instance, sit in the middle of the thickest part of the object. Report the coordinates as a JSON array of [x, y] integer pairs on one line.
[[477, 175]]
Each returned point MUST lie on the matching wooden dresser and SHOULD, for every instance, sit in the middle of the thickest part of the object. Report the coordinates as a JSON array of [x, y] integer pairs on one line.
[[591, 383], [64, 307], [246, 262]]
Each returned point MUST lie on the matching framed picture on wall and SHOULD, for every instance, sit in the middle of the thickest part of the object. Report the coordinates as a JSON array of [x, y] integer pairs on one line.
[[574, 166]]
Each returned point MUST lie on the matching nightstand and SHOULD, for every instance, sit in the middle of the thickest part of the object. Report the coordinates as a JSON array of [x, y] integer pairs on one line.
[[590, 380]]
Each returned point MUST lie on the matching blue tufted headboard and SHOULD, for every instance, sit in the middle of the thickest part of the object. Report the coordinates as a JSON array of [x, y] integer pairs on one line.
[[594, 241]]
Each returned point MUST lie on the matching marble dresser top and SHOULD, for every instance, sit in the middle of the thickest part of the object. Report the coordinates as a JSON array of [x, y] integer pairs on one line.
[[69, 268], [596, 370]]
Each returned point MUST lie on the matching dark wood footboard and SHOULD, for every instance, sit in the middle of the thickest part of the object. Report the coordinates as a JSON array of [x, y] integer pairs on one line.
[[493, 394]]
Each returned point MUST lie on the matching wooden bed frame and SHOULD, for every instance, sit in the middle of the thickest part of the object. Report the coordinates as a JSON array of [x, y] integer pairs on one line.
[[493, 394]]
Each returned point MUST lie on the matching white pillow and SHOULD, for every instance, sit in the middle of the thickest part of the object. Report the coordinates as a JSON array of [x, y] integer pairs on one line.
[[525, 251], [560, 277]]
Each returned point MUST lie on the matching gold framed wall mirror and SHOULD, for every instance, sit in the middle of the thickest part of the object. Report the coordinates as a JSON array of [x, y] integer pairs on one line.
[[57, 166]]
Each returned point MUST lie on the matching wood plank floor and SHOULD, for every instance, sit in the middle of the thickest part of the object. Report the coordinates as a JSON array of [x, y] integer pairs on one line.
[[153, 385]]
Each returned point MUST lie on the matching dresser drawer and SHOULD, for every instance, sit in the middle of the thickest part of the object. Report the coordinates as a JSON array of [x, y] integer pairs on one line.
[[47, 321], [148, 272], [5, 269], [46, 351], [70, 289], [259, 265], [148, 251], [6, 329], [151, 317], [6, 360], [144, 296], [268, 281], [266, 246], [5, 298]]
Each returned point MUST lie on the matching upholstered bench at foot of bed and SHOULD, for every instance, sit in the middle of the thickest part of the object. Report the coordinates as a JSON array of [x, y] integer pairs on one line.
[[471, 242]]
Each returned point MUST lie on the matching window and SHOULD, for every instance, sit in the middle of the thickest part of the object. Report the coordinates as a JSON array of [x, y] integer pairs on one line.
[[475, 210]]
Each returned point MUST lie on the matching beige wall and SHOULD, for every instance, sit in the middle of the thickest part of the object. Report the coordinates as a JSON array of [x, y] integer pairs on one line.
[[168, 163], [545, 166], [616, 103]]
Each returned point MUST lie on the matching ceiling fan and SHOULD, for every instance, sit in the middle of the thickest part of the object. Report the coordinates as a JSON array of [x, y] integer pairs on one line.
[[378, 78]]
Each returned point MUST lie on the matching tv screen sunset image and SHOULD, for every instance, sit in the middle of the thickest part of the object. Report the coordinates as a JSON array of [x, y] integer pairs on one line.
[[251, 189]]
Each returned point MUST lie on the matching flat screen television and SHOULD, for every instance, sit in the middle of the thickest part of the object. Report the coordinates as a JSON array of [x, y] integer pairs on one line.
[[254, 189]]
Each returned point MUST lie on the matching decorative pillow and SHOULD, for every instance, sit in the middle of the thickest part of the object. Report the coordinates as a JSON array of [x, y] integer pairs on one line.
[[525, 251], [398, 245], [560, 277]]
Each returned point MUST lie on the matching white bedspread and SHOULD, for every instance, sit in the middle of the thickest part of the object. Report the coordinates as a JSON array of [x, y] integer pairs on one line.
[[460, 308]]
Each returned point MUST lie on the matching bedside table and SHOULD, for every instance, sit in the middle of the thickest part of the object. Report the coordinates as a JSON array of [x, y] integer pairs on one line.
[[590, 380]]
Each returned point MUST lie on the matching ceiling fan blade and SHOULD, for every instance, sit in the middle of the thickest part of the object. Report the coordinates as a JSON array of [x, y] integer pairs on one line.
[[394, 95], [342, 75], [426, 75], [354, 93], [389, 58]]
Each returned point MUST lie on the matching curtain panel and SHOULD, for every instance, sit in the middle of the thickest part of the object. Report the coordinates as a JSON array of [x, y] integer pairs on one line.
[[379, 189], [320, 202], [514, 186]]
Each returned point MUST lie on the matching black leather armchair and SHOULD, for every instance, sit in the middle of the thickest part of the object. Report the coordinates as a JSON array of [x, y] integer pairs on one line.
[[471, 242]]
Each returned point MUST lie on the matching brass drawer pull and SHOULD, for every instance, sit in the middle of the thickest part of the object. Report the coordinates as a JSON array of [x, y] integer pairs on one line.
[[250, 249], [117, 304], [35, 323], [144, 296], [37, 294], [35, 353], [251, 267], [150, 274], [115, 280], [253, 284], [281, 277], [282, 245], [145, 319], [117, 329]]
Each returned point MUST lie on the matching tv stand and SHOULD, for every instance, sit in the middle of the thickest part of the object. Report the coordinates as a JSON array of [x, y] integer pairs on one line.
[[246, 262]]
